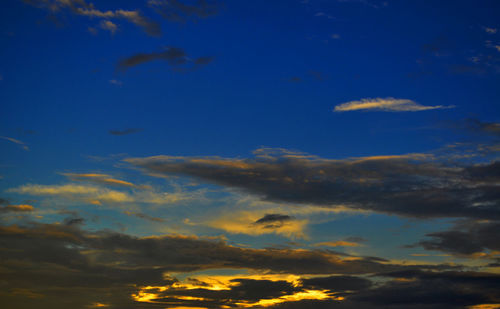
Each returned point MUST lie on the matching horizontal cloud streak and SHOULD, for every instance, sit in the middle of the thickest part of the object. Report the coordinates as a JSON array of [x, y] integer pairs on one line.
[[386, 105], [412, 185]]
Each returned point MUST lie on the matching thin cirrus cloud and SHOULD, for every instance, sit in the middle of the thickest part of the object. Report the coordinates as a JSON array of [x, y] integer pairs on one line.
[[98, 195], [16, 141], [386, 105]]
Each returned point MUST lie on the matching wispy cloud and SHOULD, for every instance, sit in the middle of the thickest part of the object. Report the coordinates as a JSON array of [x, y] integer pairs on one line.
[[16, 208], [387, 105], [82, 8], [16, 141], [177, 11], [98, 195], [174, 56], [125, 131]]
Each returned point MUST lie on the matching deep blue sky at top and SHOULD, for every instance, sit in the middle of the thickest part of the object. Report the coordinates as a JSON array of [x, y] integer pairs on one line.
[[56, 80]]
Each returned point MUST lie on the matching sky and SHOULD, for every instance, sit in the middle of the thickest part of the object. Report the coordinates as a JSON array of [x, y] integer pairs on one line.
[[249, 154]]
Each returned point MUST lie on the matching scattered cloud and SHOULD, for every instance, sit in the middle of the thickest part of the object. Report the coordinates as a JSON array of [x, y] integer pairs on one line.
[[387, 105], [116, 82], [174, 56], [98, 195], [177, 11], [16, 208], [270, 221], [109, 26], [125, 131], [469, 238], [254, 223], [490, 30], [101, 179], [338, 243], [143, 216], [82, 8], [16, 141]]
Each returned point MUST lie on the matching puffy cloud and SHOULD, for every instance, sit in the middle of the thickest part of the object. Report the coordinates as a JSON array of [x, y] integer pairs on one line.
[[386, 105], [415, 185]]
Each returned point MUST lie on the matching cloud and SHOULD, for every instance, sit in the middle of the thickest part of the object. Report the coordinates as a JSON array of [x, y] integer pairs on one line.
[[176, 11], [117, 83], [101, 179], [490, 30], [338, 243], [109, 26], [490, 128], [82, 8], [174, 56], [16, 208], [470, 238], [255, 223], [414, 185], [97, 195], [387, 105], [143, 216], [54, 265], [272, 220], [125, 131], [16, 141]]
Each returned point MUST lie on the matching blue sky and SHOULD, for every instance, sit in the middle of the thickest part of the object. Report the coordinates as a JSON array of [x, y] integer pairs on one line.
[[345, 130]]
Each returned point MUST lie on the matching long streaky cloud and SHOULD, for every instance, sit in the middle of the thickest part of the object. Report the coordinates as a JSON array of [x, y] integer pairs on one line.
[[386, 105], [412, 185], [16, 141]]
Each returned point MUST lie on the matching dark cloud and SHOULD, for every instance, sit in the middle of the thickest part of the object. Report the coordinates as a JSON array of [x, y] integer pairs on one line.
[[172, 55], [74, 221], [337, 283], [143, 216], [466, 238], [61, 266], [125, 131], [273, 220], [412, 186], [176, 57], [416, 290], [177, 11], [476, 125]]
